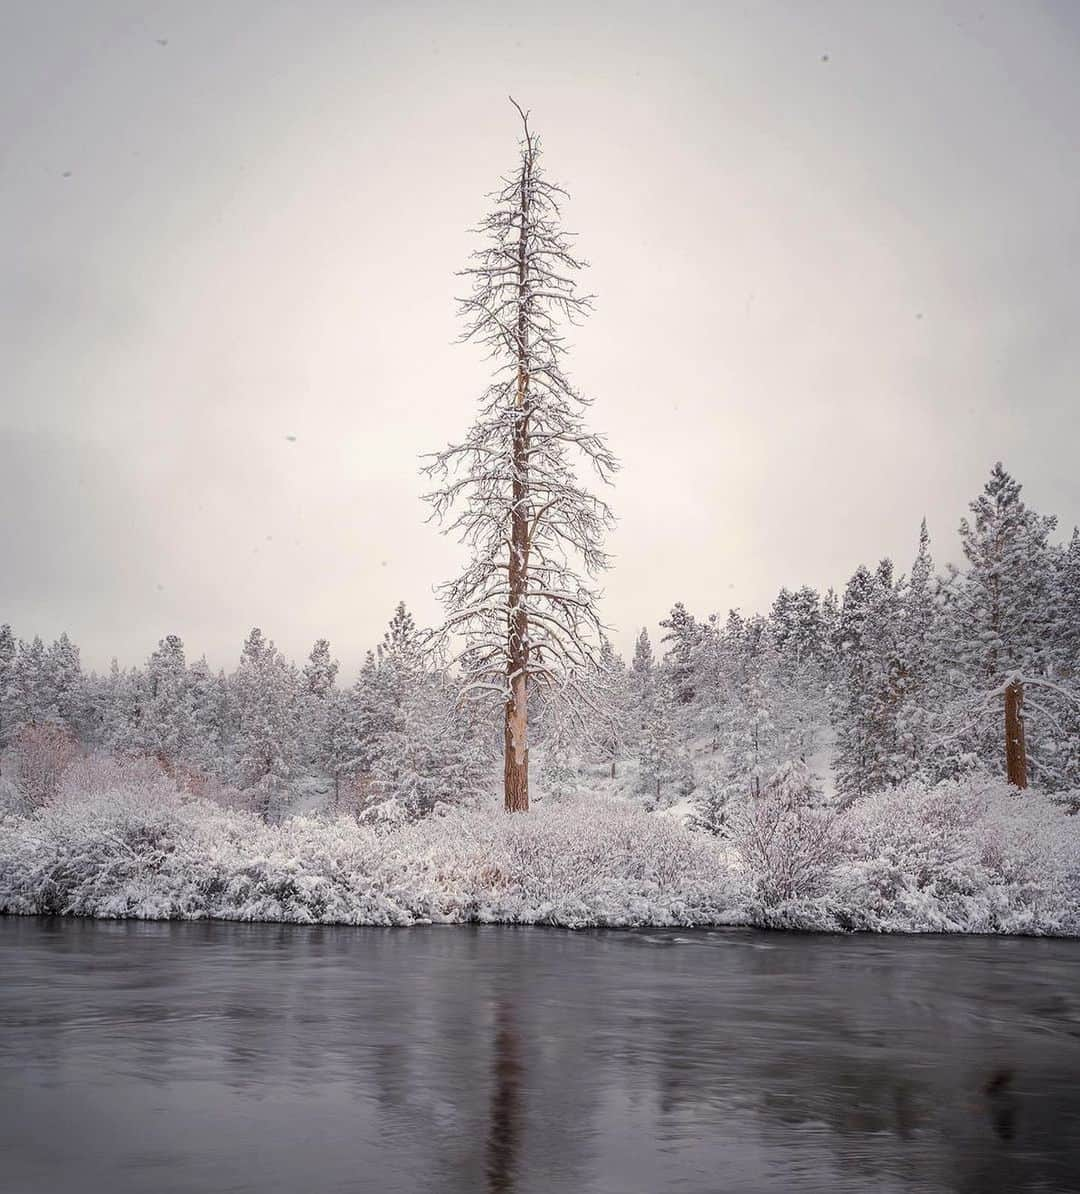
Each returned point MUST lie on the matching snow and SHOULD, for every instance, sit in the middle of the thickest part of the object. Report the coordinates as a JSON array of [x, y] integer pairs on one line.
[[968, 856]]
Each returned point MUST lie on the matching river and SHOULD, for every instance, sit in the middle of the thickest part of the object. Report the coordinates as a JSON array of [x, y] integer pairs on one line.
[[168, 1057]]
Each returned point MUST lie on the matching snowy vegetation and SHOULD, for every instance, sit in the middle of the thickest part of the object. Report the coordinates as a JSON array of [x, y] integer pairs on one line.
[[122, 840], [836, 763]]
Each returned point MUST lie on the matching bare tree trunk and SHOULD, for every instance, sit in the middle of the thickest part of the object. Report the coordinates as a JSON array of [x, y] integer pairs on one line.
[[1015, 747], [516, 772]]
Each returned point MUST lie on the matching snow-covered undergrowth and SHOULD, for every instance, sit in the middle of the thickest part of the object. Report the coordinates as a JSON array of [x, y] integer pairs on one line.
[[965, 857]]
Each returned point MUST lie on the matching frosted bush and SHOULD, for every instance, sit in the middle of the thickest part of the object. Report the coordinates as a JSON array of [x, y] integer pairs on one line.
[[970, 855], [41, 754], [145, 849], [786, 839]]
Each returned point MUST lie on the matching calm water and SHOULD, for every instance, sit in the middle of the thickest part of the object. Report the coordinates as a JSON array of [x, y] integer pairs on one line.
[[214, 1057]]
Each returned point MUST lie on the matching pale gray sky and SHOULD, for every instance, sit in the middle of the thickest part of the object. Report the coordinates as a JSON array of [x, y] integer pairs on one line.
[[834, 245]]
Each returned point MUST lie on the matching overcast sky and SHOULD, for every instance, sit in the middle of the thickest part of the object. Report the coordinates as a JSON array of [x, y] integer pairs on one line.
[[835, 249]]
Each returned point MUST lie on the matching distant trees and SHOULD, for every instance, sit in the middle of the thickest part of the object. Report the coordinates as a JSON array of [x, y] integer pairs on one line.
[[509, 489], [918, 677]]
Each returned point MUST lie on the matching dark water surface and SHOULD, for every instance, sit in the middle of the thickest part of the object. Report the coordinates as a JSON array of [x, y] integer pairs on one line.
[[154, 1058]]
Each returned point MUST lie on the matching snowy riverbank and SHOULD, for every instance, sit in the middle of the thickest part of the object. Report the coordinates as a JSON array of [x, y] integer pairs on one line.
[[965, 857]]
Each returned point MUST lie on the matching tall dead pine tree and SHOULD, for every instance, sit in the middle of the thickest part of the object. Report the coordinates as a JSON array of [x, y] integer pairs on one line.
[[509, 490]]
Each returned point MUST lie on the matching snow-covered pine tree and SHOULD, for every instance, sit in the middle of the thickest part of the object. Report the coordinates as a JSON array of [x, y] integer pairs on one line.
[[264, 690], [643, 670], [615, 701], [362, 718], [7, 684], [402, 642], [869, 683], [1066, 635], [166, 723], [64, 684], [559, 770], [399, 663], [208, 745], [798, 625], [1001, 614], [510, 488], [661, 753], [683, 633], [348, 749], [120, 706], [433, 757], [771, 717], [918, 675], [797, 631], [1060, 765], [318, 681], [32, 695]]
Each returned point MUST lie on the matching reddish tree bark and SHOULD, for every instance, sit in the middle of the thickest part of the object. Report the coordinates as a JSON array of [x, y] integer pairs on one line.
[[1015, 749]]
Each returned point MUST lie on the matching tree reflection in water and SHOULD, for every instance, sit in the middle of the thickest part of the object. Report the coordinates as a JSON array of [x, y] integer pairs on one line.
[[502, 1152]]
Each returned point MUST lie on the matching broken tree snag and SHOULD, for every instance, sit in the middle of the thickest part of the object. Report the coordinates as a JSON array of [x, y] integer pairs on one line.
[[1015, 749]]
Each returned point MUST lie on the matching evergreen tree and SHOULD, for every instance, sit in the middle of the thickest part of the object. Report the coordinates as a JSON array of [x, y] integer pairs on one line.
[[1003, 607], [319, 677], [8, 702], [559, 770], [615, 706], [264, 689], [33, 696], [63, 679], [1001, 624], [1066, 636], [208, 745], [918, 673], [123, 698], [870, 683], [434, 756], [166, 724], [661, 754], [683, 634], [401, 643]]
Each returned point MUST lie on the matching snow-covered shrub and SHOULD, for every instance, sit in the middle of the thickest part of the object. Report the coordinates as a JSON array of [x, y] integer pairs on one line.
[[40, 755], [970, 855], [145, 850], [786, 838]]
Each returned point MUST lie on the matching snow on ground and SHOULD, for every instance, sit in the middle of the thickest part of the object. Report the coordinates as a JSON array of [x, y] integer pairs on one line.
[[970, 856]]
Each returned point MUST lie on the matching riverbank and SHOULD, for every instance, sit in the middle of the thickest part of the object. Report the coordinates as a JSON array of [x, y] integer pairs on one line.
[[970, 857]]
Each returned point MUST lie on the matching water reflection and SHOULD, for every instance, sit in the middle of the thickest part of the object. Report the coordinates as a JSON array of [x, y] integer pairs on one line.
[[505, 1101], [269, 1058]]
